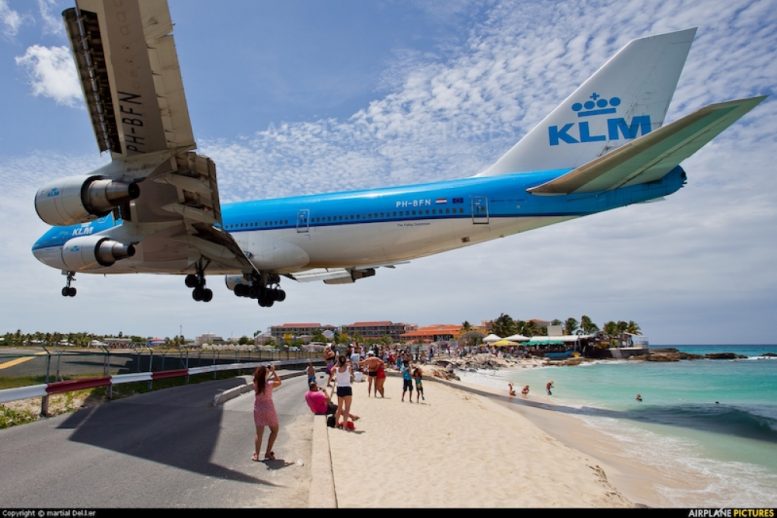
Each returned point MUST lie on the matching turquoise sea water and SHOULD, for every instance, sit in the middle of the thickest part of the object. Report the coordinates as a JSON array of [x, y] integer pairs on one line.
[[715, 417]]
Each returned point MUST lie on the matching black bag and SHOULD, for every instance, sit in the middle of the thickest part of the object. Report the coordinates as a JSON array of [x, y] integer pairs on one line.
[[330, 421]]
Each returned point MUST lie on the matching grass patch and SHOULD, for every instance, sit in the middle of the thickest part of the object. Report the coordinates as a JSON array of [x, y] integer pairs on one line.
[[23, 381], [28, 410]]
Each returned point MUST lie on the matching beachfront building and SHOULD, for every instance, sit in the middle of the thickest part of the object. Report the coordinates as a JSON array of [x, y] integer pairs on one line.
[[297, 329], [379, 329], [433, 333]]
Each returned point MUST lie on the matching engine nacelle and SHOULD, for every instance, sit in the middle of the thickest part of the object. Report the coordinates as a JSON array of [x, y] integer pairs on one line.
[[87, 252], [240, 285], [78, 199]]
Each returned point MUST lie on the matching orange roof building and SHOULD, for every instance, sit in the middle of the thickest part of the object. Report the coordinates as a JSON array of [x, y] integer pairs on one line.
[[433, 333]]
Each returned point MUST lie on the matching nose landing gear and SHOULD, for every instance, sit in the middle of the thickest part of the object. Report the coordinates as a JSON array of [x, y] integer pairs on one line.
[[68, 291]]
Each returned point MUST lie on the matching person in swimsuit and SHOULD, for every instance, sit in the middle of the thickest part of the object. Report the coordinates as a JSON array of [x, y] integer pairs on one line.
[[371, 364], [419, 384], [264, 410], [380, 380]]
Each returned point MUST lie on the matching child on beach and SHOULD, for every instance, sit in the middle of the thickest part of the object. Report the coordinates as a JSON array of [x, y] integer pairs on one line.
[[510, 389], [419, 387], [548, 386], [407, 382], [525, 390]]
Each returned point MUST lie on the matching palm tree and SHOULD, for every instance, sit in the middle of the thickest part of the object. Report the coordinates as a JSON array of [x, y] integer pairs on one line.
[[570, 326], [504, 325], [588, 325], [633, 328]]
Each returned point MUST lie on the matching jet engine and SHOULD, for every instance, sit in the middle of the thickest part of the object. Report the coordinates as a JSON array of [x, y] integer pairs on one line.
[[88, 252], [78, 199]]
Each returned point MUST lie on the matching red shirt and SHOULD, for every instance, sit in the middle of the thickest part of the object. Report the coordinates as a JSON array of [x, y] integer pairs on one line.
[[316, 401]]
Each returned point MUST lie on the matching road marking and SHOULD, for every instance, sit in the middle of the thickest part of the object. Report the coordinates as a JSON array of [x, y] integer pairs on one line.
[[18, 361]]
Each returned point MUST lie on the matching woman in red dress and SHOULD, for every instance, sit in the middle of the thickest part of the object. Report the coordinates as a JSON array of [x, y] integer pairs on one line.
[[264, 410]]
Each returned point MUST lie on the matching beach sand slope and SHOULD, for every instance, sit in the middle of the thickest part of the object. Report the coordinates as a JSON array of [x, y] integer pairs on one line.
[[457, 449]]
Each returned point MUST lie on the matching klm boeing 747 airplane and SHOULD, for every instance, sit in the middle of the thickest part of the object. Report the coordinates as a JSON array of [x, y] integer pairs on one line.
[[155, 208]]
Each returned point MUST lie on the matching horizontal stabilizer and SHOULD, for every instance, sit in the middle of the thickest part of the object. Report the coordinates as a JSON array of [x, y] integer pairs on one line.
[[651, 156]]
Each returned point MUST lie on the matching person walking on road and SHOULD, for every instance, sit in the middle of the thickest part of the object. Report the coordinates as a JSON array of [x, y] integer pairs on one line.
[[264, 410]]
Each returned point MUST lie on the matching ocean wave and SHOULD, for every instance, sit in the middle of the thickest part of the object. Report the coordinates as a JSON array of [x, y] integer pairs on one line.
[[754, 422]]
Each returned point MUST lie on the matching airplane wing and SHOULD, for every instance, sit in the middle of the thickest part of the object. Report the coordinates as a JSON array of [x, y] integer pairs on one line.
[[128, 68], [651, 156]]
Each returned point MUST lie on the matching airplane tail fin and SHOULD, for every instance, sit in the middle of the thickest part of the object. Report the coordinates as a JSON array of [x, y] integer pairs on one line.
[[626, 98]]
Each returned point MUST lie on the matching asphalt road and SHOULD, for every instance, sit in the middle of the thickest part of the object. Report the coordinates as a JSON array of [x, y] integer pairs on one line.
[[167, 448]]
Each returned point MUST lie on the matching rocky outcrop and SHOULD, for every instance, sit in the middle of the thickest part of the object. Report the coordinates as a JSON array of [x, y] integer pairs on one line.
[[724, 356], [670, 355]]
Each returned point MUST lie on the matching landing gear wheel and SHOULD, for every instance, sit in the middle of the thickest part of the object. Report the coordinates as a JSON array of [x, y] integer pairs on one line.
[[207, 295], [280, 295], [198, 294], [65, 291], [191, 281]]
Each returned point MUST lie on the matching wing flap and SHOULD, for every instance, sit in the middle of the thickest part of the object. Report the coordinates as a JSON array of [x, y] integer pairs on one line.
[[129, 72], [650, 157]]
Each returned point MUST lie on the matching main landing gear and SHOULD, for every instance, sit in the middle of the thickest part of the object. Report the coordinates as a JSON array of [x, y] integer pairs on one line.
[[197, 281], [68, 291], [265, 288]]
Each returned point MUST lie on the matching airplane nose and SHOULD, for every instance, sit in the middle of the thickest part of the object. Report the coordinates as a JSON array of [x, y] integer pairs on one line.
[[48, 255]]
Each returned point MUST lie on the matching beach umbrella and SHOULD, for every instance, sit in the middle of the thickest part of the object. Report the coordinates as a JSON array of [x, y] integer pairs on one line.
[[503, 343], [517, 338], [492, 338]]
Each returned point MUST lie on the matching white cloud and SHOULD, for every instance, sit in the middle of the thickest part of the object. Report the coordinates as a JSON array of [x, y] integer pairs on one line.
[[52, 73], [52, 23], [10, 19]]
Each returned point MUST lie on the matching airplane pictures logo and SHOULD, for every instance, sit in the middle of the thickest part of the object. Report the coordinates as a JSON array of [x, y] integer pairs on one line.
[[617, 127]]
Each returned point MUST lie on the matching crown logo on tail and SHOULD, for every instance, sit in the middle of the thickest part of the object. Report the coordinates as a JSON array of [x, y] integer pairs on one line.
[[598, 105]]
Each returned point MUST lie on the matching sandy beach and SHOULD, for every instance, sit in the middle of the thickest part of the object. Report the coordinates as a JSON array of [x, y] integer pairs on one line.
[[458, 449]]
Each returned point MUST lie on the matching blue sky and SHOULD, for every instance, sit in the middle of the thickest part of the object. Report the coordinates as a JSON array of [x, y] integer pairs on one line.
[[302, 96]]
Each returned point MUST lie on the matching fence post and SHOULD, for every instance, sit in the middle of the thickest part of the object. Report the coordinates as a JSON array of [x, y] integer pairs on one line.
[[106, 362], [214, 362], [57, 376], [187, 366], [150, 367], [44, 404]]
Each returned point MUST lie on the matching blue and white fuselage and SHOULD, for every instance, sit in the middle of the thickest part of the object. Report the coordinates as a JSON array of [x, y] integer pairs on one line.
[[381, 226]]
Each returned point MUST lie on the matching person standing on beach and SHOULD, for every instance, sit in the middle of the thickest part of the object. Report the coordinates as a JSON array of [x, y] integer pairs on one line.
[[419, 385], [343, 377], [548, 386], [407, 382], [371, 364], [380, 380], [264, 410], [510, 389]]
